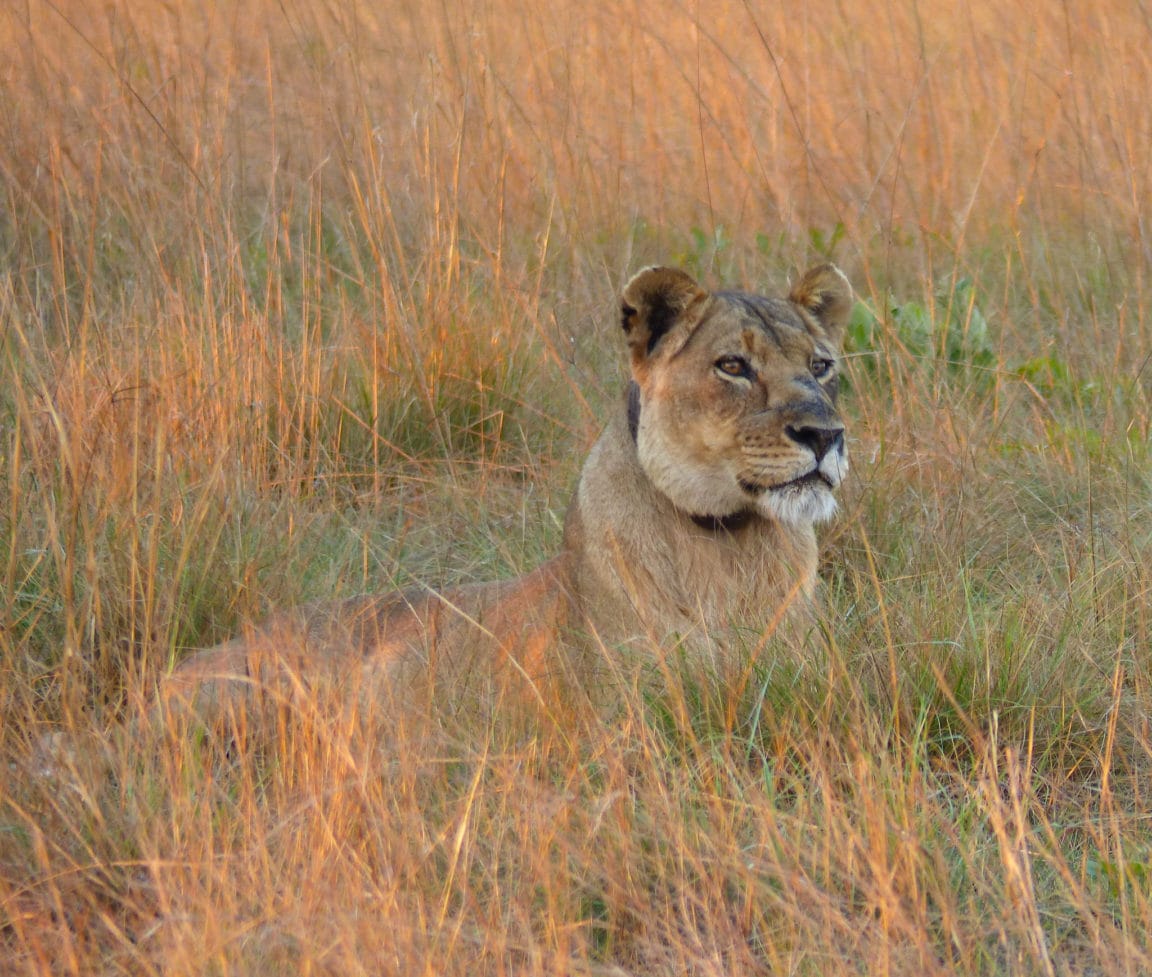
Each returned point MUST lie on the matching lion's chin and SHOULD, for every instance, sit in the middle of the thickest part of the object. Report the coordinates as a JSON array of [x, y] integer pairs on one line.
[[803, 502]]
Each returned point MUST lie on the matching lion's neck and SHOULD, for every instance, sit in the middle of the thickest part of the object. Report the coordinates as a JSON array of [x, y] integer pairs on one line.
[[731, 522]]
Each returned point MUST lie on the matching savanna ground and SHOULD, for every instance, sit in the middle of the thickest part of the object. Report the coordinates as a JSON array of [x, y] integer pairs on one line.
[[313, 297]]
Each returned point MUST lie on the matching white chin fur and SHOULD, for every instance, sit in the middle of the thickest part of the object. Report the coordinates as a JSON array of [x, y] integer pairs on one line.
[[809, 503], [798, 505]]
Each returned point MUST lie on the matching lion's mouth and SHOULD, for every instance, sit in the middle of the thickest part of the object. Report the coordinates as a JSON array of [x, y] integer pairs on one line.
[[813, 478]]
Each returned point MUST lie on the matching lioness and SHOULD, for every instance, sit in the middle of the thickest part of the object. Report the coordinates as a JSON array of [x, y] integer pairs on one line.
[[692, 520]]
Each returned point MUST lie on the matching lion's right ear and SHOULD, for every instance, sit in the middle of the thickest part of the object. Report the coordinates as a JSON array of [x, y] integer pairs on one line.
[[825, 294], [652, 304]]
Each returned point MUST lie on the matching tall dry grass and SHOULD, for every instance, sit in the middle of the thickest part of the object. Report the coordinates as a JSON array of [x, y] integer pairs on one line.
[[301, 299]]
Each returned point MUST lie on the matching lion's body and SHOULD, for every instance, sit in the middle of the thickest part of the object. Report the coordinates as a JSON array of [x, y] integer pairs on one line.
[[692, 520]]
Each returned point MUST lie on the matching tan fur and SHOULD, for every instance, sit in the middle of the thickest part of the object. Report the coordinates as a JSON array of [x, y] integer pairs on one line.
[[688, 524]]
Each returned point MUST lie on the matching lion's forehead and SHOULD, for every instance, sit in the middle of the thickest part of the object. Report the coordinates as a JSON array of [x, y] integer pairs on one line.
[[767, 328], [776, 318]]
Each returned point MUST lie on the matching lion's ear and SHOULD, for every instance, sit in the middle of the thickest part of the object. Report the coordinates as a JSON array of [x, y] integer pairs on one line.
[[824, 293], [653, 302]]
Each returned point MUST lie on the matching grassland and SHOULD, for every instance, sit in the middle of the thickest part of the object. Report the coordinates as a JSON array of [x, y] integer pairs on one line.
[[312, 297]]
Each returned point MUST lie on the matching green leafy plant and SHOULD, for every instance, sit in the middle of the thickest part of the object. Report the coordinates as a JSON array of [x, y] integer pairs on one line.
[[949, 332]]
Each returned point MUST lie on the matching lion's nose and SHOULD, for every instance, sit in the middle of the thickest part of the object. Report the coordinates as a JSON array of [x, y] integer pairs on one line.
[[819, 440]]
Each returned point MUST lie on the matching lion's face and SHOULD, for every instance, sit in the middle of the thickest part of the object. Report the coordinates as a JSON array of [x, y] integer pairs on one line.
[[737, 394]]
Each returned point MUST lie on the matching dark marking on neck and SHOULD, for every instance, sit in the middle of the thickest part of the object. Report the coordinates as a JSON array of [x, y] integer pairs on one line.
[[633, 409], [727, 524]]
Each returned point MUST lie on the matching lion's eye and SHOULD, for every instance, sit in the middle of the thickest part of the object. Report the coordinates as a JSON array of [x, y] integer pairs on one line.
[[820, 368], [734, 366]]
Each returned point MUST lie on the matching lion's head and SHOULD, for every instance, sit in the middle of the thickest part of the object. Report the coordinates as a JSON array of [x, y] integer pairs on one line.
[[734, 401]]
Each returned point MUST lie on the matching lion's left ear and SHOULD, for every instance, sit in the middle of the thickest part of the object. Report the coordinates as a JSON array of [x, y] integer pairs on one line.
[[824, 293]]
